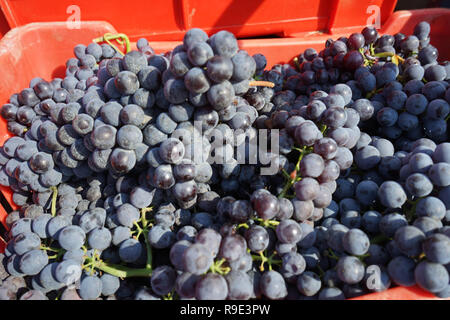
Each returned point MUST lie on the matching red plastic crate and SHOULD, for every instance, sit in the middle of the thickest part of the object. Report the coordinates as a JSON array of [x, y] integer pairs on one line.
[[41, 49], [168, 20]]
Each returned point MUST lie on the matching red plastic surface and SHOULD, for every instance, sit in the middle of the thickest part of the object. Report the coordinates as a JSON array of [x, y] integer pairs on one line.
[[169, 19], [41, 49]]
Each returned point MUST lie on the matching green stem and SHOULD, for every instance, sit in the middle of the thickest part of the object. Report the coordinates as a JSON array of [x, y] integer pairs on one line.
[[291, 181], [60, 254], [395, 58], [88, 265], [54, 198], [216, 267], [149, 252], [49, 249], [144, 216], [120, 271], [146, 225], [138, 229], [120, 38], [267, 223], [261, 258], [95, 262], [384, 54], [273, 261], [285, 174], [169, 296], [286, 188], [372, 49], [269, 260], [370, 94], [366, 61], [304, 152]]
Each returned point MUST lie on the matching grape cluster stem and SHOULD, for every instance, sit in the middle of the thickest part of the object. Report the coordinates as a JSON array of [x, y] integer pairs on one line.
[[269, 260], [293, 177], [120, 38]]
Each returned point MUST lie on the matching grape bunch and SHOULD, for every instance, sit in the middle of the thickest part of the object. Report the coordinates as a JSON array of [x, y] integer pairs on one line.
[[67, 127], [387, 224], [207, 70], [391, 98]]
